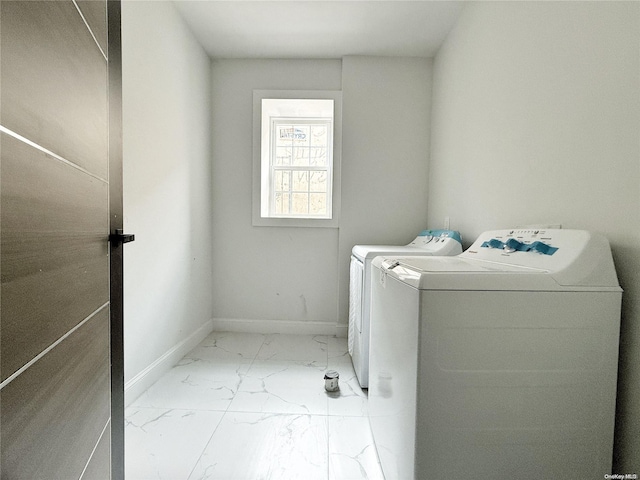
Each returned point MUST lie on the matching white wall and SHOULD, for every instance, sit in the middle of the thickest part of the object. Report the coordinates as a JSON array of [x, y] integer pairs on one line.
[[385, 152], [296, 279], [283, 275], [536, 119], [167, 186]]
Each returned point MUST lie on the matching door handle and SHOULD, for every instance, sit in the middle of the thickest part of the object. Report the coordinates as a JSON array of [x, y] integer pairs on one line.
[[120, 237]]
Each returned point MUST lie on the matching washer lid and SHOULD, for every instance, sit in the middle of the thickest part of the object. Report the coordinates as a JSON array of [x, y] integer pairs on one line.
[[428, 242], [515, 260], [456, 273]]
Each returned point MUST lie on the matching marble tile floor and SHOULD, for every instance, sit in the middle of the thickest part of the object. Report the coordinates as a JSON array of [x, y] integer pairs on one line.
[[251, 406]]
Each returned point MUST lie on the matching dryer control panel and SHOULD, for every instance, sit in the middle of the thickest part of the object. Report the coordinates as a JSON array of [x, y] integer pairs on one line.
[[436, 236]]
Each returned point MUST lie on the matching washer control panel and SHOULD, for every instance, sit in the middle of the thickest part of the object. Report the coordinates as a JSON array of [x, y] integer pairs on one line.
[[553, 250], [436, 236], [544, 242], [513, 245]]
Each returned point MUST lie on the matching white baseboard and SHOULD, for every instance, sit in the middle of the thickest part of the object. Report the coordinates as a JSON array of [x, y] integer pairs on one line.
[[141, 382], [279, 326]]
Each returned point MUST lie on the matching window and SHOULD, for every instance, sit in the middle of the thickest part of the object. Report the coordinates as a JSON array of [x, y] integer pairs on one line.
[[300, 166], [297, 158]]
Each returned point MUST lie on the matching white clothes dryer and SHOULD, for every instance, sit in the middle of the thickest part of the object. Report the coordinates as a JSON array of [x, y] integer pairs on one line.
[[428, 242], [500, 362]]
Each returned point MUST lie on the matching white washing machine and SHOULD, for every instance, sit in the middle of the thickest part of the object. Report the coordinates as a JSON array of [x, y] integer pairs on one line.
[[428, 242], [498, 363]]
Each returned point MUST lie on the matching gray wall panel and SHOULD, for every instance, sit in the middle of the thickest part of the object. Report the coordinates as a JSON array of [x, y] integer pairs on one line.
[[54, 266], [54, 81], [53, 414]]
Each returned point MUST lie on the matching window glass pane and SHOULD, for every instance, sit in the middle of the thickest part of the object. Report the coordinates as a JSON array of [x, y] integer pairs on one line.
[[301, 134], [284, 135], [277, 203], [301, 156], [281, 203], [318, 182], [286, 201], [283, 156], [319, 135], [300, 181], [286, 180], [318, 204], [300, 203], [318, 156], [282, 180]]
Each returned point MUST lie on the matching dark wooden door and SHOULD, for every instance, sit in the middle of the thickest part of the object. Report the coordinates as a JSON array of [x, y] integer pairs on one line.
[[55, 183]]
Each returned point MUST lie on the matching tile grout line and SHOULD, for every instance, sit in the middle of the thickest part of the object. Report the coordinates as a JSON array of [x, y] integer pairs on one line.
[[211, 440], [224, 414], [327, 419]]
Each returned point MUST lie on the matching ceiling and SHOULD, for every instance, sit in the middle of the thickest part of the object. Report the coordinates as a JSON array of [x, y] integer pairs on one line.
[[319, 29]]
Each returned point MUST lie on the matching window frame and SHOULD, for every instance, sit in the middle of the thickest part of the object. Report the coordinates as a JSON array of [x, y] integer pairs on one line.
[[261, 182]]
